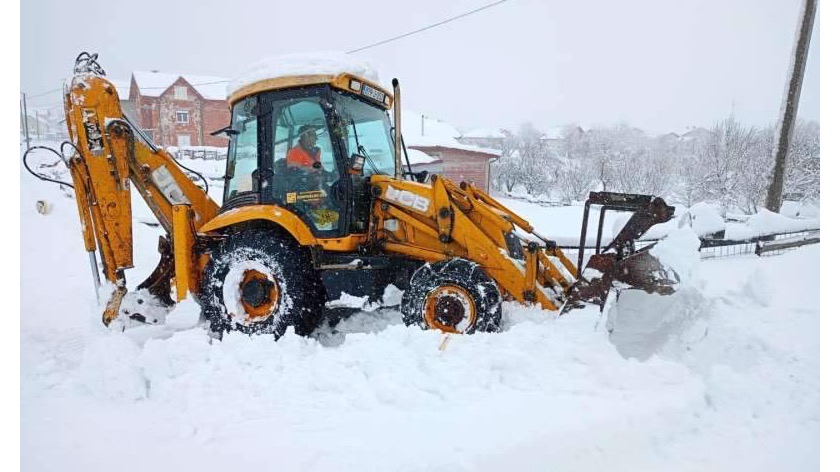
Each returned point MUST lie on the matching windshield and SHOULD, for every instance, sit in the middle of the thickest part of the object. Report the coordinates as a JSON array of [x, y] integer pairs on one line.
[[242, 151], [367, 131]]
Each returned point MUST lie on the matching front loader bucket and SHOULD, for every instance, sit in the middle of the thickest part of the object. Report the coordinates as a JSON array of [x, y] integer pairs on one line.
[[620, 265], [603, 272]]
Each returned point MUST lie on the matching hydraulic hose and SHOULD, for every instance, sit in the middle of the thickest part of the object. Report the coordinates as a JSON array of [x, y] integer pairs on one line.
[[39, 176]]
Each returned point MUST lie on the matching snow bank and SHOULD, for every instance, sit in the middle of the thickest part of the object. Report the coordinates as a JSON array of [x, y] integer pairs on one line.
[[766, 222], [730, 379], [706, 219], [316, 63]]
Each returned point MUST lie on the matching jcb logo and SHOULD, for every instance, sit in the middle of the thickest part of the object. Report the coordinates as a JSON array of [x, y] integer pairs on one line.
[[404, 197]]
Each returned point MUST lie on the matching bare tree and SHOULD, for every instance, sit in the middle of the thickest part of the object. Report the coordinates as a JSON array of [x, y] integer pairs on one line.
[[802, 179]]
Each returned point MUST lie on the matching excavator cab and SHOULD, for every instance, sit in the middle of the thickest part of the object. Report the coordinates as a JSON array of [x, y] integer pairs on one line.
[[308, 149]]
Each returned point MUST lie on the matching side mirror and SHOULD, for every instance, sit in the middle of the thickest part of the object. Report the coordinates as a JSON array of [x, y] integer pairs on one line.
[[357, 163]]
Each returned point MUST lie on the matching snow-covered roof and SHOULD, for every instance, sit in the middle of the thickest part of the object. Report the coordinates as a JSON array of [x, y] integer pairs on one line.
[[153, 84], [315, 63], [695, 133], [484, 133], [416, 156], [123, 87], [422, 130], [553, 133]]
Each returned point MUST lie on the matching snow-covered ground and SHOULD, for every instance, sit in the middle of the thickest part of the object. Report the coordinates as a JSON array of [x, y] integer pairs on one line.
[[722, 376]]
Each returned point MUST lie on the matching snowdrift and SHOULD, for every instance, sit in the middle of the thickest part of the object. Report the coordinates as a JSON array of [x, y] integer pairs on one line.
[[724, 376]]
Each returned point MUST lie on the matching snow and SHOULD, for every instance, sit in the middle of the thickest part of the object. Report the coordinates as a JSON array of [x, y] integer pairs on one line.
[[706, 219], [416, 156], [315, 63], [766, 222], [484, 133], [722, 376], [422, 130]]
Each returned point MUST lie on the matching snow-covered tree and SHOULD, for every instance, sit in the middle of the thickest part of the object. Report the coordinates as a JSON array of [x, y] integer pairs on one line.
[[802, 175]]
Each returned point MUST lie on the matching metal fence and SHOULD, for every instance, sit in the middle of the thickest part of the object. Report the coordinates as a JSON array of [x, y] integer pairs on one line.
[[765, 245], [210, 154]]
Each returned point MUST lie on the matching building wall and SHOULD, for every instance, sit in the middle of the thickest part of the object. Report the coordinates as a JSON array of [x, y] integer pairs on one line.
[[465, 166], [216, 116], [459, 165], [158, 116]]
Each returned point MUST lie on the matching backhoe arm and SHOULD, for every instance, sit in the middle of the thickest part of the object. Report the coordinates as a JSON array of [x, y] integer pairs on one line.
[[110, 153]]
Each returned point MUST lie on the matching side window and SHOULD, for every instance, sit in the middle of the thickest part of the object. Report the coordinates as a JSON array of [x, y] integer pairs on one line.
[[242, 153]]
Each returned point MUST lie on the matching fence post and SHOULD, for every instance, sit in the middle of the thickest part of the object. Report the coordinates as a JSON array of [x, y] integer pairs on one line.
[[25, 120]]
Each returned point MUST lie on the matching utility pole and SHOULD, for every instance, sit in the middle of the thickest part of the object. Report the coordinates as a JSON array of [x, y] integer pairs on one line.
[[37, 124], [787, 120], [25, 120]]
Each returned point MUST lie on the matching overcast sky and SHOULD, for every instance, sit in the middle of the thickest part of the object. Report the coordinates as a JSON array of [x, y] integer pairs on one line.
[[660, 65]]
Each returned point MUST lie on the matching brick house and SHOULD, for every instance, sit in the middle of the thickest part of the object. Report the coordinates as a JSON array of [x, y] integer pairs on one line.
[[459, 163], [439, 140], [179, 110]]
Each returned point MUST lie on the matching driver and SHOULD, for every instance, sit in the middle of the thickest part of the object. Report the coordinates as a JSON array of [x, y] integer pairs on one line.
[[306, 153]]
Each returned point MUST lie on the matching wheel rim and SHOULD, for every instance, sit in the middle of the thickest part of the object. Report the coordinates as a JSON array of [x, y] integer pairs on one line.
[[450, 309], [258, 296]]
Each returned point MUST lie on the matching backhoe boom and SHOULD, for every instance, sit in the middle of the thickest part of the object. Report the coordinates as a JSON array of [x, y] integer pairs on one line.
[[110, 153]]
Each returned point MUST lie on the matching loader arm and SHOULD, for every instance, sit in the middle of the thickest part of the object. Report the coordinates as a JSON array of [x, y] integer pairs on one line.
[[110, 152], [443, 221]]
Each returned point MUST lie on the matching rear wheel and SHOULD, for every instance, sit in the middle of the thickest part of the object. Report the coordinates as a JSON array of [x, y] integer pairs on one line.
[[258, 281], [454, 296]]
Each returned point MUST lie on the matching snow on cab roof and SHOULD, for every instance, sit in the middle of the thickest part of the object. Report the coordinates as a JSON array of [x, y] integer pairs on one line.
[[315, 63], [153, 84]]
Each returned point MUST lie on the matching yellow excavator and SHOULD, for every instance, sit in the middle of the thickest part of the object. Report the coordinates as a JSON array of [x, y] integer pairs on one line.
[[320, 199]]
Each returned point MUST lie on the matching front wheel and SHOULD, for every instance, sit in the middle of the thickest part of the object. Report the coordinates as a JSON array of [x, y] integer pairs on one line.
[[258, 281], [453, 296]]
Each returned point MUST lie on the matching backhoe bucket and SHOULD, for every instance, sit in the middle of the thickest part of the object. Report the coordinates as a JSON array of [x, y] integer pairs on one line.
[[620, 266]]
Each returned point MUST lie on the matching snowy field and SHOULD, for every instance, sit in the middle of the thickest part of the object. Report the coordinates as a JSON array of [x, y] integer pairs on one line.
[[723, 376]]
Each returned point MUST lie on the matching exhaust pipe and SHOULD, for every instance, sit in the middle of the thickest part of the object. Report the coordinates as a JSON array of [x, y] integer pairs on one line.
[[397, 128]]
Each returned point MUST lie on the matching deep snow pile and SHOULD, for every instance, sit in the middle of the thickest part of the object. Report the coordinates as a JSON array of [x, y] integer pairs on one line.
[[728, 380]]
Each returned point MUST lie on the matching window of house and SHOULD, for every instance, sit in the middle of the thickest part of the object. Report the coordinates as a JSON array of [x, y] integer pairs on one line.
[[180, 92], [182, 116], [184, 140]]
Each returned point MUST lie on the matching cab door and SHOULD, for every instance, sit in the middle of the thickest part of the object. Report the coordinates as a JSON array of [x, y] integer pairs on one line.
[[304, 159]]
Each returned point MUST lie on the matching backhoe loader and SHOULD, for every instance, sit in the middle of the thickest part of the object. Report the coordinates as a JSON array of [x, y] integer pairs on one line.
[[289, 236]]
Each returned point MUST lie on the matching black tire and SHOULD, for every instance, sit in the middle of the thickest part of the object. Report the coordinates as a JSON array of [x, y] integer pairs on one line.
[[462, 278], [298, 298]]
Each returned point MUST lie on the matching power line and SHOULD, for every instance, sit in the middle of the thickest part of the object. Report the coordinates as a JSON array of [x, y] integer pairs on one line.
[[44, 93], [404, 35], [141, 88], [194, 85], [428, 27]]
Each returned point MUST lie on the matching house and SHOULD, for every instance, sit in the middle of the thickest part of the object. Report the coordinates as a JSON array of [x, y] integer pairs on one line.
[[421, 161], [695, 134], [43, 124], [179, 110], [553, 139], [484, 137], [439, 140]]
